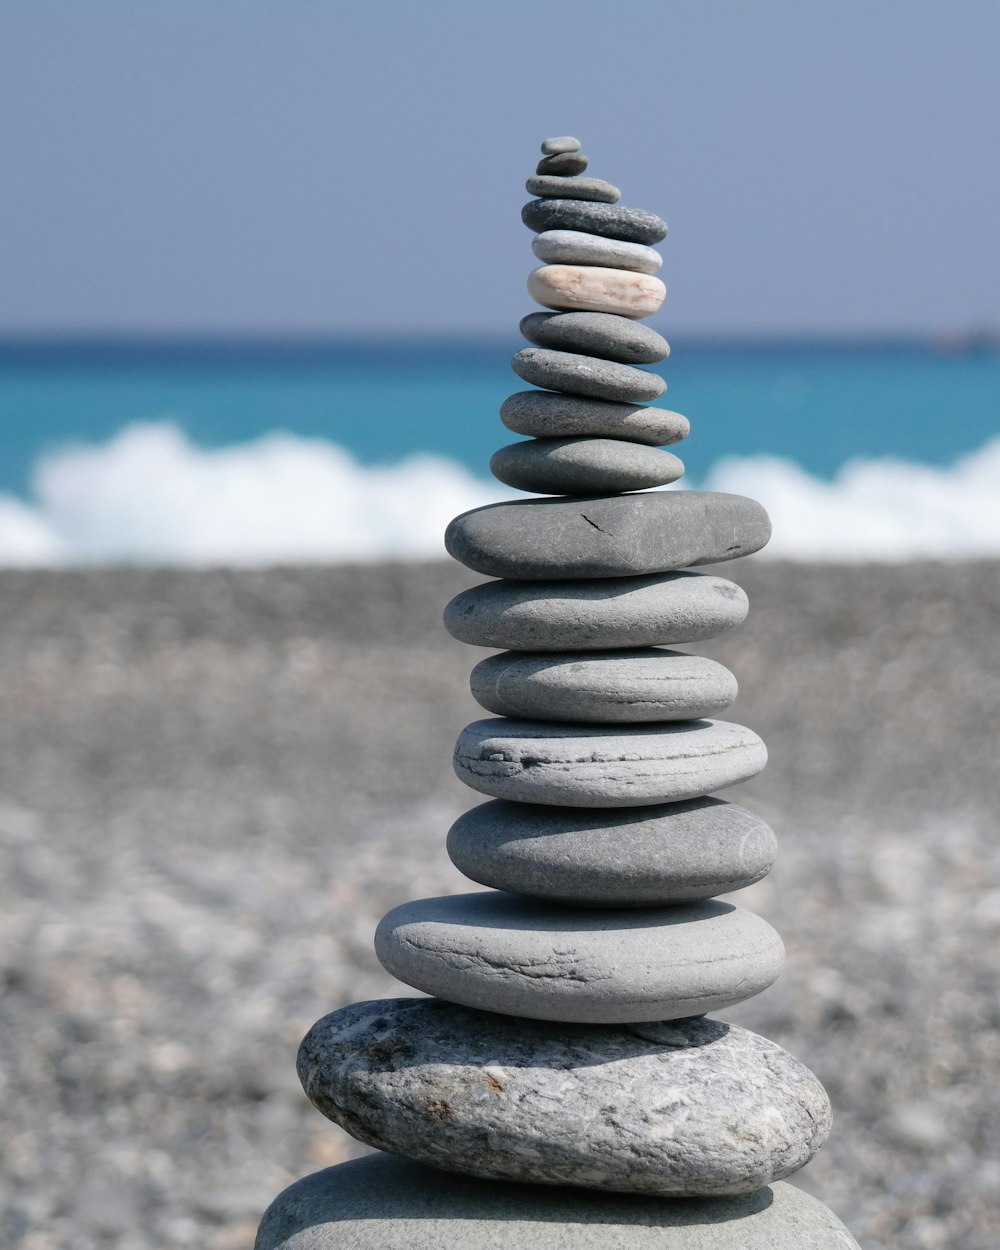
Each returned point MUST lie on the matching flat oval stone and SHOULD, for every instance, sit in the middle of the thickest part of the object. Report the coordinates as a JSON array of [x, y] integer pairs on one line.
[[613, 221], [382, 1202], [575, 247], [524, 957], [579, 766], [594, 615], [607, 536], [583, 466], [627, 686], [589, 288], [596, 334], [554, 186], [552, 414], [575, 374], [653, 856], [562, 164], [560, 143]]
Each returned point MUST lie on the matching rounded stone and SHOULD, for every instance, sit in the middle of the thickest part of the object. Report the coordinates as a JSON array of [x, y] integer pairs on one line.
[[613, 221], [560, 143], [606, 536], [562, 164], [575, 374], [596, 334], [552, 414], [574, 247], [590, 288], [656, 856], [556, 187], [596, 615], [628, 686], [583, 466], [543, 961], [579, 766]]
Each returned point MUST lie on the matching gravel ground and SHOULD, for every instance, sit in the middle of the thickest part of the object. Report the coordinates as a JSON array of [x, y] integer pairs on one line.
[[212, 784]]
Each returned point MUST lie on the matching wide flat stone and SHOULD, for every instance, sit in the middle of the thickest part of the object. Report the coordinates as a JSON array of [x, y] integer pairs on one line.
[[576, 247], [562, 163], [594, 615], [552, 414], [559, 187], [575, 374], [579, 766], [536, 959], [560, 143], [694, 1108], [607, 536], [626, 686], [614, 221], [653, 856], [583, 466], [590, 288], [596, 334]]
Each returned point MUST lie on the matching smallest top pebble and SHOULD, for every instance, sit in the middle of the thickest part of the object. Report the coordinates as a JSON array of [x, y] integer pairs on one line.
[[561, 143]]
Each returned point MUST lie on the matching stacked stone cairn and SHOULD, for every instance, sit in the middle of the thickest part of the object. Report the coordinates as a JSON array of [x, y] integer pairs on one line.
[[565, 1085]]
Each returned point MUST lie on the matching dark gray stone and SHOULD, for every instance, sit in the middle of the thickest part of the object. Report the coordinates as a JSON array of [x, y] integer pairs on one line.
[[606, 766], [627, 686], [614, 221], [583, 466], [594, 615], [552, 186], [693, 1108], [562, 164], [560, 143], [609, 536], [655, 856], [574, 374], [575, 247], [551, 414], [596, 334]]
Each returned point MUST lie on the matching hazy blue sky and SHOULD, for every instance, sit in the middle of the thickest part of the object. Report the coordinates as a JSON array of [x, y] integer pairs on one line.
[[220, 165]]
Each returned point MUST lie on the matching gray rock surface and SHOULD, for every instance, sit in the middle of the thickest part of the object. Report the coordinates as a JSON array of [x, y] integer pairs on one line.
[[698, 1107], [565, 164], [387, 1203], [551, 414], [614, 221], [581, 766], [583, 466], [560, 143], [539, 539], [595, 615], [575, 374], [576, 247], [625, 686], [596, 334], [554, 186], [649, 857]]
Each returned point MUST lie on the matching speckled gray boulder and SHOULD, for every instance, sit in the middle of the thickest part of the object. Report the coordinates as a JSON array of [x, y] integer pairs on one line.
[[550, 414], [560, 143], [607, 536], [698, 1107], [626, 686], [559, 187], [593, 615], [565, 164], [625, 857], [580, 766], [614, 221], [596, 334], [532, 958], [583, 466], [587, 375], [575, 247]]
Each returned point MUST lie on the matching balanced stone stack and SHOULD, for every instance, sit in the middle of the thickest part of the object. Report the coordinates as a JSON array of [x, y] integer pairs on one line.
[[565, 1084]]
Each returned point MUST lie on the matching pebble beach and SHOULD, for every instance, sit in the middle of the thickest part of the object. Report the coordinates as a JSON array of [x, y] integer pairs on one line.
[[213, 784]]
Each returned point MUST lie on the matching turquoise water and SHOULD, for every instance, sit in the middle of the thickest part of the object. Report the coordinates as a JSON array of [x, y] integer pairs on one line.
[[818, 404]]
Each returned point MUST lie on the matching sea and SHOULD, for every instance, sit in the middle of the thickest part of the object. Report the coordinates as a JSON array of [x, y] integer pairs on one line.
[[256, 452]]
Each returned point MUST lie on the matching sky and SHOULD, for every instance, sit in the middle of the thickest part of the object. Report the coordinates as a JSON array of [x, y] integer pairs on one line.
[[324, 168]]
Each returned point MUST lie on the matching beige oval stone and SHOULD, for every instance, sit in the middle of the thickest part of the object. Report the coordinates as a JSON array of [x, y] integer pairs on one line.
[[591, 288]]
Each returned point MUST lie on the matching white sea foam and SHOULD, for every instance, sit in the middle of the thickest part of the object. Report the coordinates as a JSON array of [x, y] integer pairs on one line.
[[149, 495]]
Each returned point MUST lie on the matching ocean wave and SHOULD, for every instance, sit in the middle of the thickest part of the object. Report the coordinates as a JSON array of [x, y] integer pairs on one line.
[[151, 496]]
